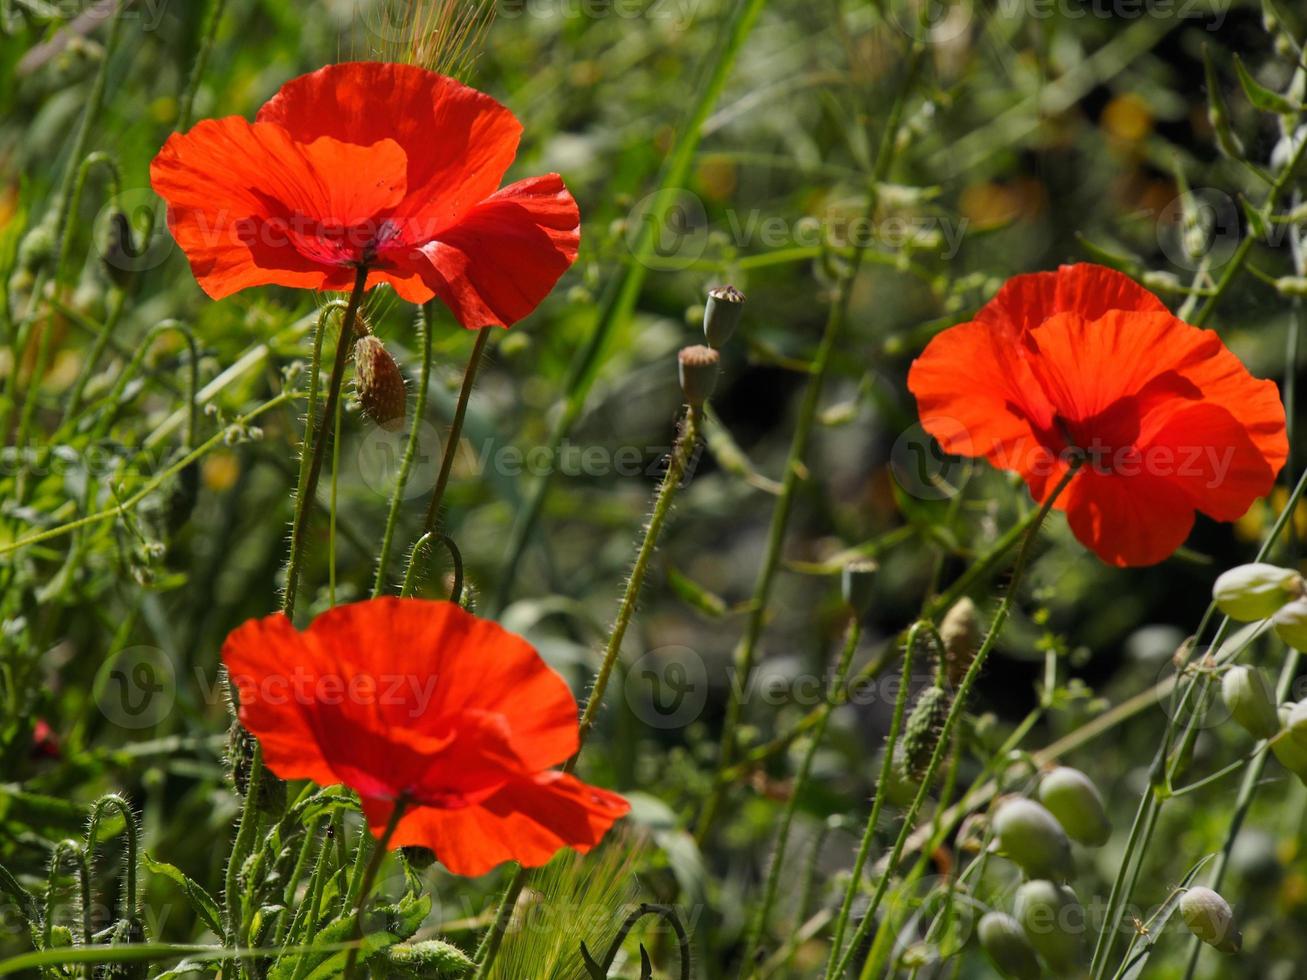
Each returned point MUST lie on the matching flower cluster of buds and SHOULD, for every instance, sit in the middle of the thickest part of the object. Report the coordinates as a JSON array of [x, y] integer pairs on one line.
[[700, 364]]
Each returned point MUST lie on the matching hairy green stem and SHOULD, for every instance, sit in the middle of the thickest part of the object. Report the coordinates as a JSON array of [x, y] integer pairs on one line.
[[369, 877], [455, 430]]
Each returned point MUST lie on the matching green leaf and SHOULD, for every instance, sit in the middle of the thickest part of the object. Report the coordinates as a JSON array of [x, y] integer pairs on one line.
[[202, 901], [695, 594], [1262, 97]]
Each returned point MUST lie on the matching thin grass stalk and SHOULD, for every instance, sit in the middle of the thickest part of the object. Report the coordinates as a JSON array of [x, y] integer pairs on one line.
[[841, 961]]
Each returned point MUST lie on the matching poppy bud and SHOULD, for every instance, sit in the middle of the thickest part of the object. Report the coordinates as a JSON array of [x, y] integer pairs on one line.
[[962, 634], [240, 759], [857, 582], [698, 368], [60, 936], [1074, 800], [430, 958], [1032, 837], [721, 314], [38, 245], [1008, 948], [922, 732], [1248, 698], [1052, 919], [1289, 748], [1290, 623], [1252, 592], [379, 383], [1210, 918], [119, 252]]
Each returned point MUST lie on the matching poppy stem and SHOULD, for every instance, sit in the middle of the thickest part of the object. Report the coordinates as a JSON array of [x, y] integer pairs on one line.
[[839, 960], [316, 441], [369, 879], [455, 430]]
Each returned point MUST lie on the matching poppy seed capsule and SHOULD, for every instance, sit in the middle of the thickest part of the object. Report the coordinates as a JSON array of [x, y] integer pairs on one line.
[[1248, 698], [1290, 623], [857, 583], [1053, 921], [380, 384], [961, 633], [429, 958], [1255, 591], [1288, 748], [721, 314], [1032, 837], [1008, 948], [698, 366], [1074, 800], [1210, 918]]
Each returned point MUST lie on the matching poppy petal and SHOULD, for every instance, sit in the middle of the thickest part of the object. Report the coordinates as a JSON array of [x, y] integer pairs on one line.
[[1026, 301], [528, 821], [1138, 520], [458, 142], [503, 257]]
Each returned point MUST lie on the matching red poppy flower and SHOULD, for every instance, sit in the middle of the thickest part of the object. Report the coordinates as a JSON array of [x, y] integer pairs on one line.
[[384, 165], [1086, 362], [407, 698]]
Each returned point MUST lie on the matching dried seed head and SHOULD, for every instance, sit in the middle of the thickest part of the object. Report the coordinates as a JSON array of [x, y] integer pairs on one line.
[[698, 367], [1210, 918], [962, 635], [721, 314], [857, 582], [1003, 939], [922, 732], [380, 384], [1074, 800], [1255, 591], [1248, 698], [1032, 837]]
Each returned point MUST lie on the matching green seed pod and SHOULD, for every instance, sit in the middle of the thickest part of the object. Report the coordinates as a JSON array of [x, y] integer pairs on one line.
[[430, 958], [1252, 592], [1008, 948], [1248, 698], [1290, 623], [1296, 723], [1054, 923], [721, 314], [698, 367], [1074, 800], [1210, 918], [858, 582], [1290, 750], [962, 635], [1032, 837], [922, 731]]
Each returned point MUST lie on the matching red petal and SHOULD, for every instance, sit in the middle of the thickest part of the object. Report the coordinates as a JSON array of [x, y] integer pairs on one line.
[[1026, 301], [459, 142], [247, 203], [1137, 520], [497, 264], [527, 821]]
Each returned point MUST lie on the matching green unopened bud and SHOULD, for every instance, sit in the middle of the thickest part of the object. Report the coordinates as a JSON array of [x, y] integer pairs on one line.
[[962, 634], [858, 583], [430, 958], [1248, 698], [1210, 918], [119, 255], [721, 314], [922, 732], [1074, 800], [1289, 748], [1053, 921], [1290, 623], [1032, 837], [1008, 948], [60, 936], [1296, 723], [698, 368], [1252, 592]]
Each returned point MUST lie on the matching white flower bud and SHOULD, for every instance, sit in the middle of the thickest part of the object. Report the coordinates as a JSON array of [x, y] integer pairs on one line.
[[1252, 592], [1210, 918], [1032, 837], [1248, 698], [1074, 800]]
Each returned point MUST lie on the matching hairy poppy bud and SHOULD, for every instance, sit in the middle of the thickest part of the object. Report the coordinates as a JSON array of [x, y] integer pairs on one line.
[[240, 759], [380, 384], [1256, 591], [1290, 623], [1289, 748], [1053, 921], [1074, 800], [430, 958], [698, 368], [119, 253], [1032, 837], [1210, 918], [962, 635], [1008, 948], [721, 314], [857, 582], [922, 731], [1248, 698]]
